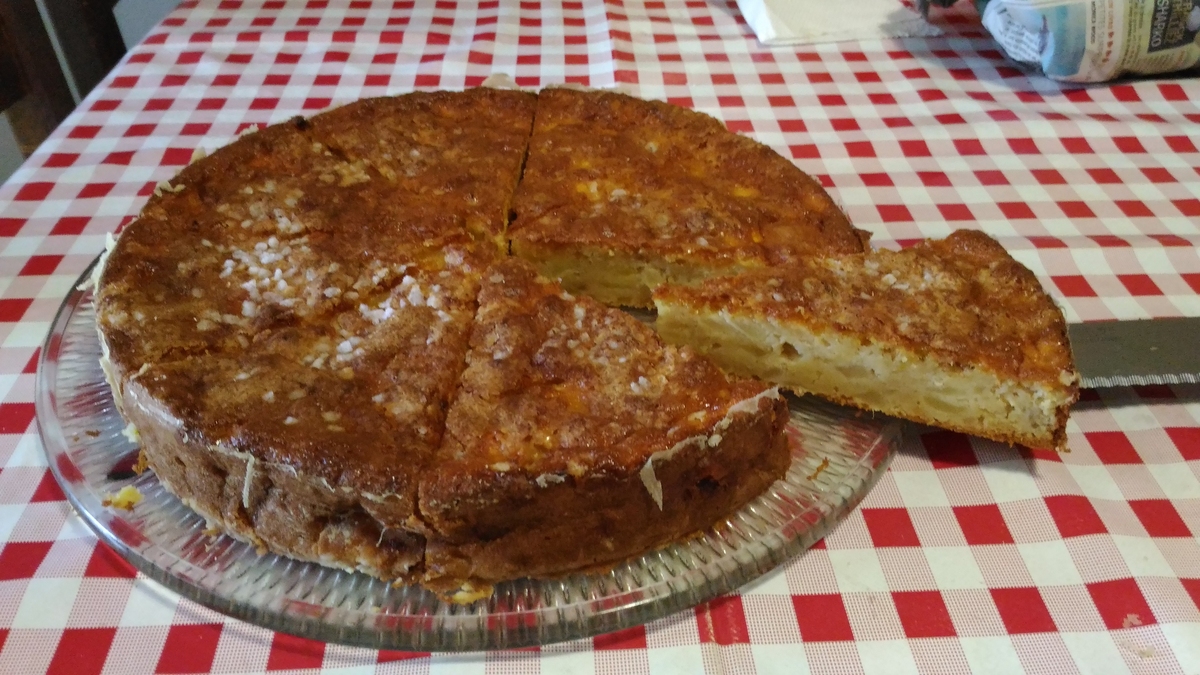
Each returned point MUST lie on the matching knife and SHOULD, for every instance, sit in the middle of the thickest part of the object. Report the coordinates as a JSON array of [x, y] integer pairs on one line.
[[1124, 353]]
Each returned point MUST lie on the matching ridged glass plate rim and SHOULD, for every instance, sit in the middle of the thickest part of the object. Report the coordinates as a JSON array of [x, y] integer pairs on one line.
[[838, 455]]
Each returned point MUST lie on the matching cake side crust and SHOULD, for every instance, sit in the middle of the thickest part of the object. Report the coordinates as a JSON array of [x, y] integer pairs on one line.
[[498, 526], [269, 505]]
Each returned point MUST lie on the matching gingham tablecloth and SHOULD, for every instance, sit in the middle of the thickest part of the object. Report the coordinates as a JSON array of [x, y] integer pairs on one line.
[[967, 555]]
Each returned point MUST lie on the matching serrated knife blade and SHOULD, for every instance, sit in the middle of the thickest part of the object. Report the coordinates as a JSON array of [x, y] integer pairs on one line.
[[1124, 353]]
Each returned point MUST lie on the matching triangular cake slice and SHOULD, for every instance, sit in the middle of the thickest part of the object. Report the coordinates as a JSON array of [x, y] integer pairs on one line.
[[578, 439], [952, 333], [620, 194], [286, 321], [312, 439]]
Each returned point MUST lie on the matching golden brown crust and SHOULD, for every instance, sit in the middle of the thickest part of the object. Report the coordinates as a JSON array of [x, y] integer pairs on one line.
[[451, 160], [646, 180], [598, 383], [562, 404], [333, 452], [310, 198], [339, 403], [253, 267]]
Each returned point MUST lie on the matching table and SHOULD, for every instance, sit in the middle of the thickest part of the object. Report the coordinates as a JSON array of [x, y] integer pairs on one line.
[[968, 555]]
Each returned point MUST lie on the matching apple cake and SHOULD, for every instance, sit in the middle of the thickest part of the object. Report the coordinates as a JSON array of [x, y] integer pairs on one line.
[[333, 340], [952, 333], [290, 321]]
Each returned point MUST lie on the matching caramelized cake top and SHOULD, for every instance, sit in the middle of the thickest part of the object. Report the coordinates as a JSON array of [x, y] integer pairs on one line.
[[616, 173], [280, 290], [449, 160], [962, 299], [560, 387], [358, 401], [288, 219]]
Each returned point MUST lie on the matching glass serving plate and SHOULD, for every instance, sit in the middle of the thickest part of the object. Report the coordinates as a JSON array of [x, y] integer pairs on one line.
[[837, 456]]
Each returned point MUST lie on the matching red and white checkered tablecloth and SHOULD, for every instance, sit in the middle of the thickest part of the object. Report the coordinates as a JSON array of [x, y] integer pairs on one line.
[[967, 556]]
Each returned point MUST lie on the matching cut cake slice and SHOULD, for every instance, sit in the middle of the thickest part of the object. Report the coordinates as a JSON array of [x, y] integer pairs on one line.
[[620, 194], [952, 333], [577, 439], [286, 321], [311, 441]]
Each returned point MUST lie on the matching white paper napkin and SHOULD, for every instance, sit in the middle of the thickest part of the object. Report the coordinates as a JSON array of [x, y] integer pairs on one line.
[[796, 22]]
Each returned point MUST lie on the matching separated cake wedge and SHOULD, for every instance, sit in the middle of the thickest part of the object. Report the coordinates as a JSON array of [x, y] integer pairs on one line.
[[620, 194], [952, 333]]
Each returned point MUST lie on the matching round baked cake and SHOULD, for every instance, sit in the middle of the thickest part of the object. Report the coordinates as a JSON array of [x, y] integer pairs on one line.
[[326, 349]]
